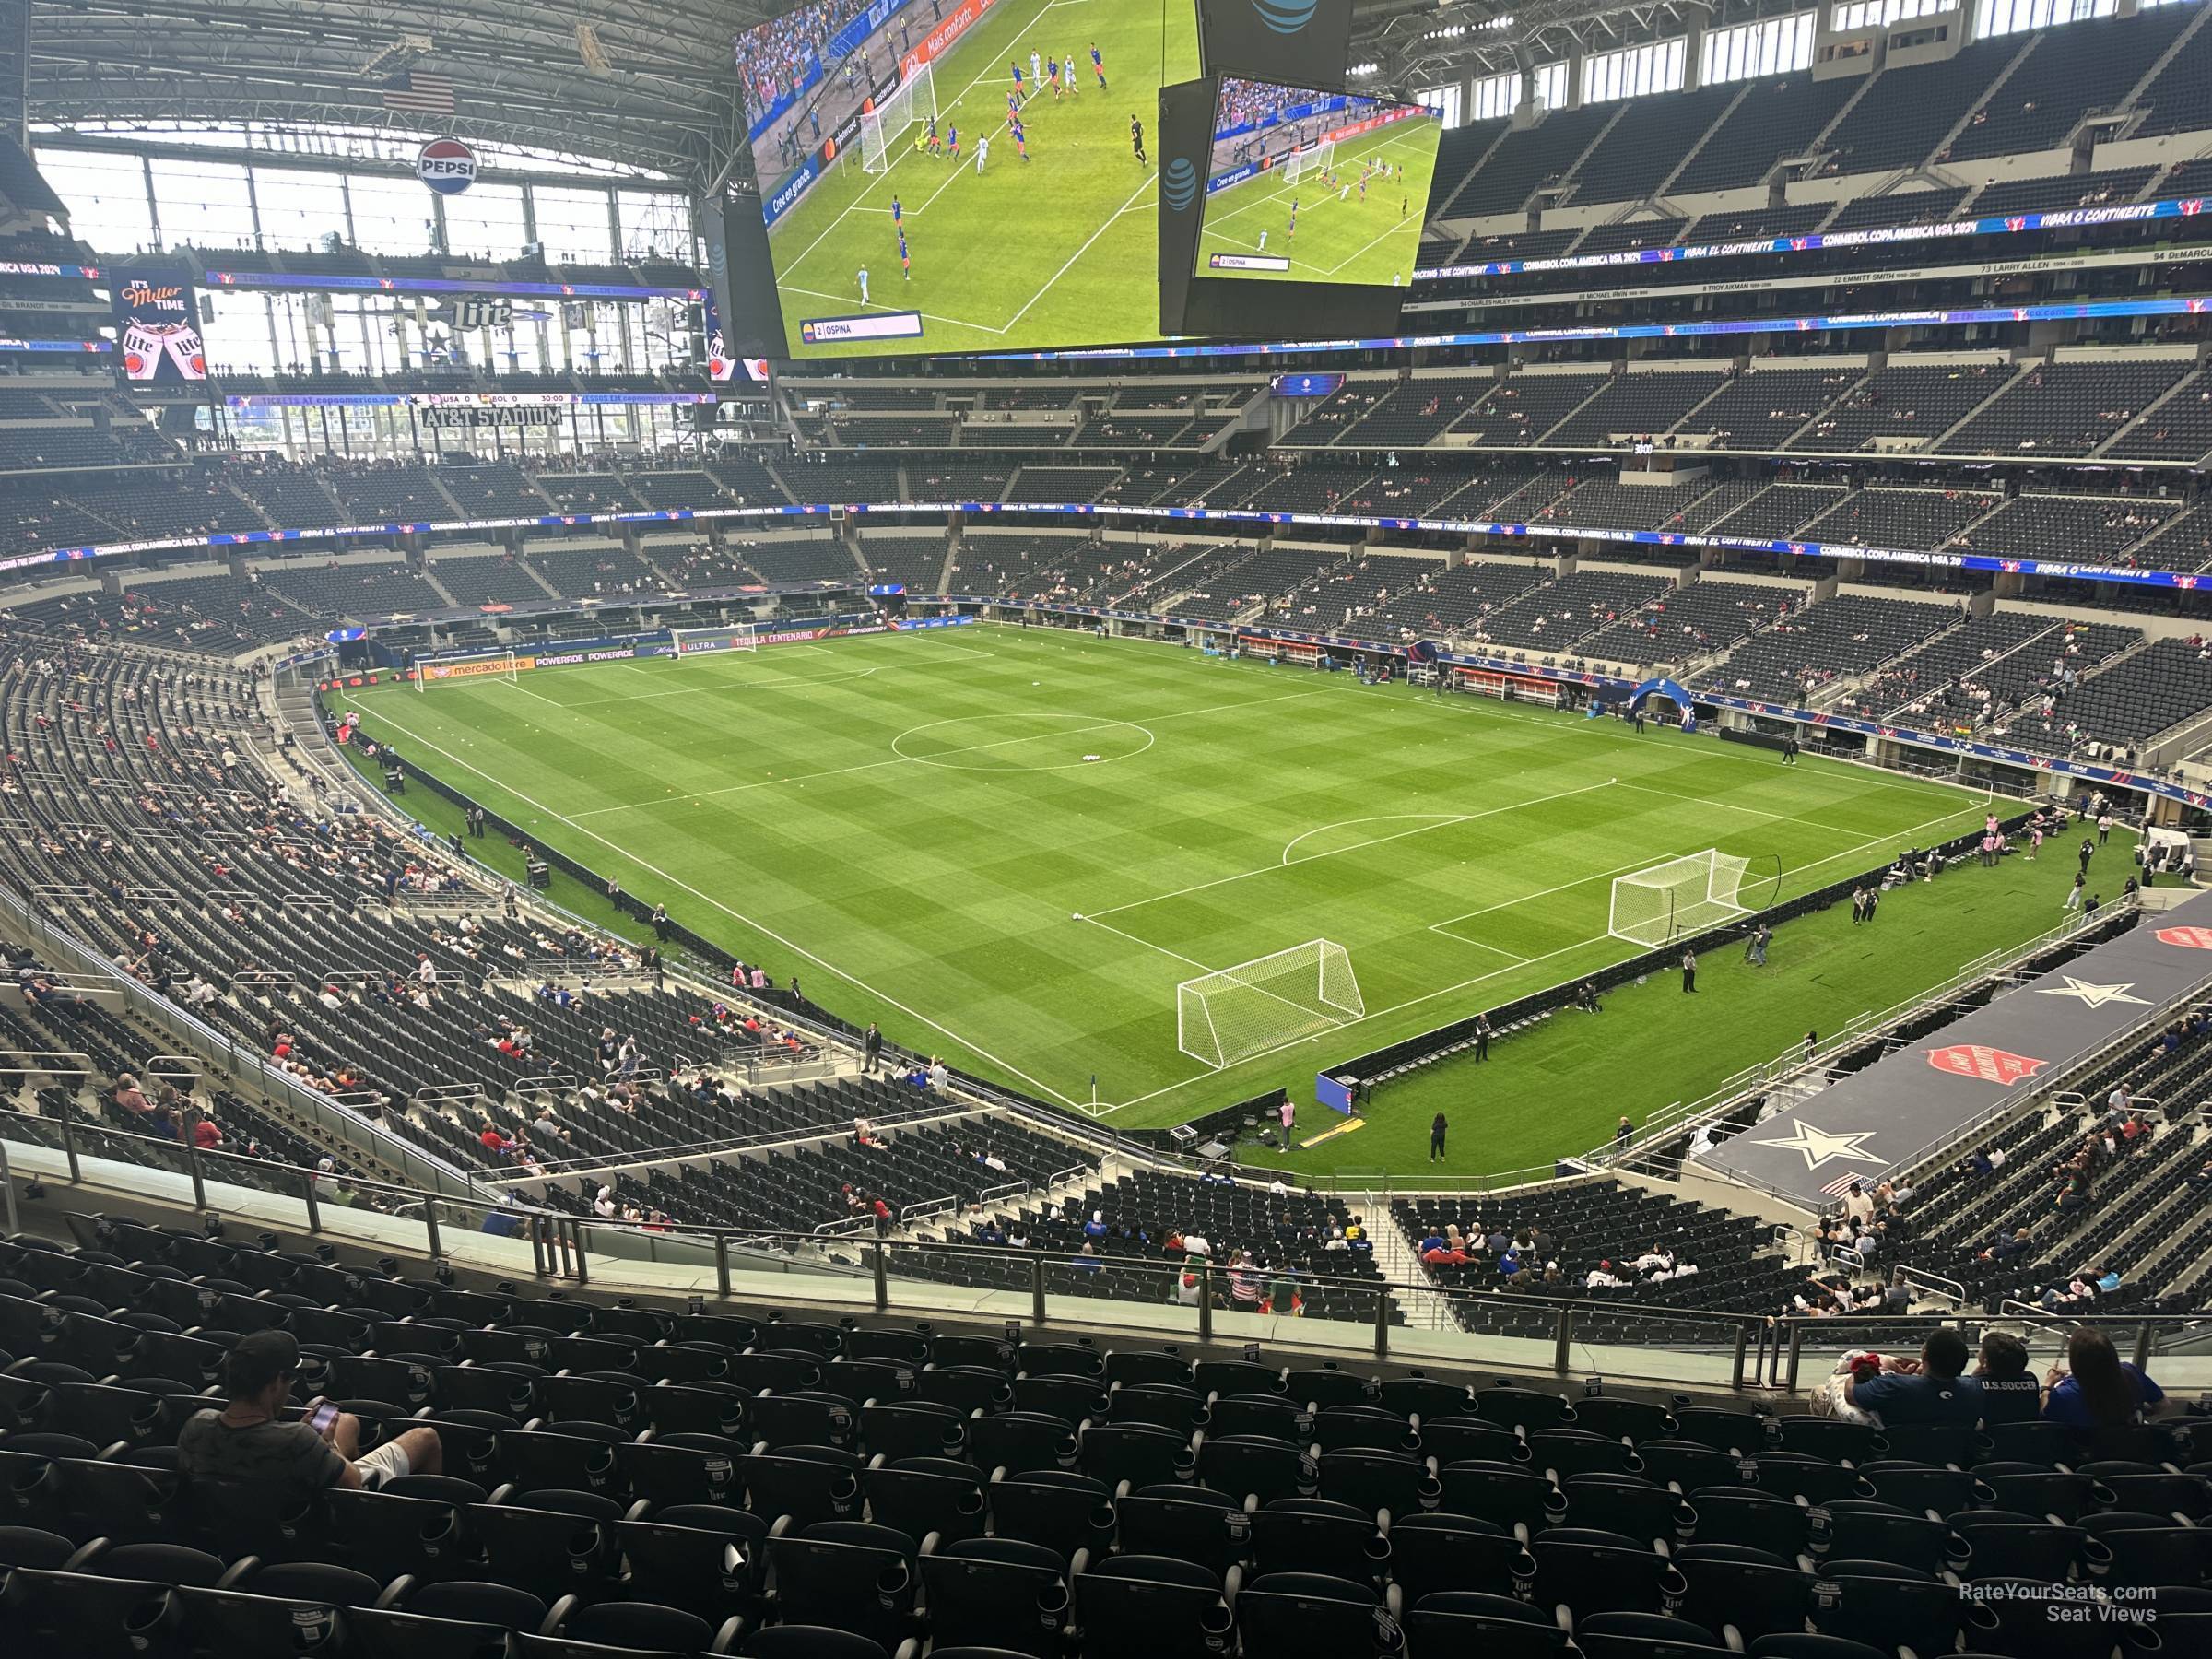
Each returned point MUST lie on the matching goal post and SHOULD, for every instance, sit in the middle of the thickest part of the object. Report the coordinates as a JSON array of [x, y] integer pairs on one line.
[[1682, 896], [1314, 159], [914, 100], [705, 641], [1236, 1013]]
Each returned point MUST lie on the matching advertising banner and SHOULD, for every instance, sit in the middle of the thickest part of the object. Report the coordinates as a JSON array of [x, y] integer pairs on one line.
[[158, 328]]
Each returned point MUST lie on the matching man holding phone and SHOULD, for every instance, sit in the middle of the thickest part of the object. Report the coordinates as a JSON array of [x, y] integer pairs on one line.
[[249, 1443]]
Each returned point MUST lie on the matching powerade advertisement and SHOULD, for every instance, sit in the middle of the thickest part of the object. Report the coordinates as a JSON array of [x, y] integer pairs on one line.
[[158, 328]]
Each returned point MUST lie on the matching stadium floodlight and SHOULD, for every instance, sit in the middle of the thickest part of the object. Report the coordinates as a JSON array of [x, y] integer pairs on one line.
[[1259, 1006], [498, 662], [702, 642], [1683, 896], [1314, 159], [914, 100]]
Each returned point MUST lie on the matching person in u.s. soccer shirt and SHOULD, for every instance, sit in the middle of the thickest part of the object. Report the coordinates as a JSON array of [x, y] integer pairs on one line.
[[983, 153], [864, 284], [1098, 65], [1036, 70]]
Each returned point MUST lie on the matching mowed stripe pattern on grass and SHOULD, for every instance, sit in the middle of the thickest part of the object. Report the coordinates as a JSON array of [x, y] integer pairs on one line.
[[942, 876], [1026, 253]]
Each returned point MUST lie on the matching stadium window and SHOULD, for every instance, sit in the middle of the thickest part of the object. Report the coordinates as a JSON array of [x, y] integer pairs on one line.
[[106, 197], [1862, 14], [205, 204], [573, 226], [1495, 96], [1445, 100], [485, 220], [390, 214], [296, 208], [1551, 86], [653, 222], [2016, 16], [1771, 46], [1634, 72]]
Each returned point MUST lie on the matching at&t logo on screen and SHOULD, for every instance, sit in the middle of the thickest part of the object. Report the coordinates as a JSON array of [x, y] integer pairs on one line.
[[1179, 184], [446, 165], [1286, 16]]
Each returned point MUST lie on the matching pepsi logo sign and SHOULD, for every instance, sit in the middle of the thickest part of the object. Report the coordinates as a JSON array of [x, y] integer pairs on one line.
[[446, 165]]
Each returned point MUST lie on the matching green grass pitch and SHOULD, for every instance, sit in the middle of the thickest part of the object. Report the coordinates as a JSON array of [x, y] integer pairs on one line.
[[1061, 250], [1342, 236], [911, 825]]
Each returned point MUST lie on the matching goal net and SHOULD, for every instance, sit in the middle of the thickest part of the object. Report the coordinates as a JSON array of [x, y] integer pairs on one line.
[[700, 641], [1682, 896], [914, 100], [1313, 159], [500, 664], [1238, 1012]]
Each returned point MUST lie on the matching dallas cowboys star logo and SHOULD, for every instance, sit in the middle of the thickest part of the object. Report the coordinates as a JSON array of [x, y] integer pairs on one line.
[[1820, 1146], [2093, 995]]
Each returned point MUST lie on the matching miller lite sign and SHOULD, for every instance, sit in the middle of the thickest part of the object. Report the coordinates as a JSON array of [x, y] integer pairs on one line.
[[446, 165], [157, 327]]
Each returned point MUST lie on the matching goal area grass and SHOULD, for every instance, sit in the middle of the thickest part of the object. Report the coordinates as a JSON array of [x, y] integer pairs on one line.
[[1011, 846], [1060, 249]]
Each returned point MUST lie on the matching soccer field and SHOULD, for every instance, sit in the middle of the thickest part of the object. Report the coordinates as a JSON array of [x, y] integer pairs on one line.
[[1343, 235], [1060, 249], [912, 824]]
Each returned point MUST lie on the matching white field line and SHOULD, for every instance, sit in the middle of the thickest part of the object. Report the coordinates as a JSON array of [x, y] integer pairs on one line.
[[765, 932], [1105, 225], [1385, 818], [1115, 909], [839, 772]]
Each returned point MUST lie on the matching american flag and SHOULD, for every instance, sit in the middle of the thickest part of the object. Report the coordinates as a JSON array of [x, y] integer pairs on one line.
[[422, 94]]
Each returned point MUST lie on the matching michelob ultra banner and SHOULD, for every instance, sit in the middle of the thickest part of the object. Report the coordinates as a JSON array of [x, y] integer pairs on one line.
[[158, 328]]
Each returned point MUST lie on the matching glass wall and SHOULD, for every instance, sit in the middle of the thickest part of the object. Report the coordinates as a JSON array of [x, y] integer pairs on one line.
[[1634, 70], [1445, 99], [1771, 46], [2013, 17], [1495, 96]]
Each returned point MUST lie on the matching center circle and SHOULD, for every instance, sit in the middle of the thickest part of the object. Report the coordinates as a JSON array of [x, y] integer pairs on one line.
[[1022, 742]]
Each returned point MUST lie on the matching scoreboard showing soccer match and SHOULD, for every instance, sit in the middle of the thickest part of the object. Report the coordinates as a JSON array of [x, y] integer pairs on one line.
[[952, 176], [1305, 185]]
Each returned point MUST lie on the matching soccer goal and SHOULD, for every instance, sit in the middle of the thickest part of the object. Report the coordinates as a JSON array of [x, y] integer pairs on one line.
[[914, 100], [700, 641], [1255, 1006], [500, 664], [1682, 896], [1315, 158]]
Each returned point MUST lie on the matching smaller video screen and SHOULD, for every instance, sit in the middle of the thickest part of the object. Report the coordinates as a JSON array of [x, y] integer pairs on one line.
[[1312, 187]]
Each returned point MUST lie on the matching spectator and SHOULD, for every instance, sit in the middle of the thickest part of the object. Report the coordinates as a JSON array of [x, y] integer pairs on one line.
[[2097, 1389], [1931, 1389], [2009, 1391], [246, 1443]]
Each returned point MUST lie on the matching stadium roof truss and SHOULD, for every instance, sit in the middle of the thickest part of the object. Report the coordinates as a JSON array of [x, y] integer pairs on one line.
[[644, 86]]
